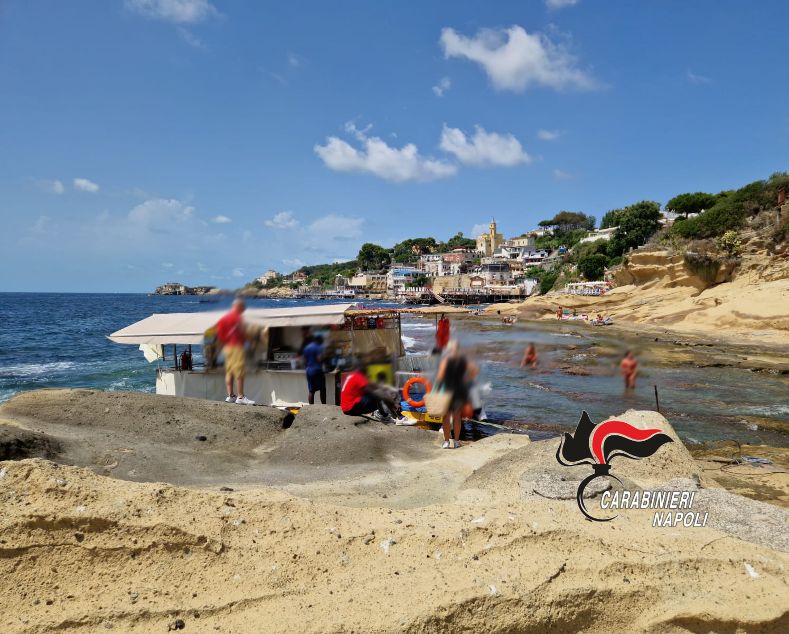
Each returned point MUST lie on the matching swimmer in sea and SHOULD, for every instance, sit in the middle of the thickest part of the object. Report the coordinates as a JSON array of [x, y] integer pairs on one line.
[[529, 357]]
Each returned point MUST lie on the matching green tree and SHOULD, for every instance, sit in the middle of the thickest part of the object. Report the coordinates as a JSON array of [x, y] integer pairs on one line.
[[611, 218], [691, 203], [637, 224], [410, 250], [373, 257], [593, 266], [459, 241], [567, 221]]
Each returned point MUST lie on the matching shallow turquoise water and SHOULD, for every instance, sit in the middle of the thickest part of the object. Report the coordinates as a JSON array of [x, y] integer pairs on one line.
[[703, 404]]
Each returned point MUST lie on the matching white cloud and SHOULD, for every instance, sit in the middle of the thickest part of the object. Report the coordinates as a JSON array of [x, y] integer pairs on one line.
[[335, 227], [42, 225], [478, 230], [190, 38], [296, 263], [483, 148], [693, 78], [84, 185], [444, 84], [393, 164], [561, 175], [295, 60], [282, 220], [52, 186], [560, 4], [162, 216], [221, 220], [178, 11], [515, 60], [147, 232], [548, 135]]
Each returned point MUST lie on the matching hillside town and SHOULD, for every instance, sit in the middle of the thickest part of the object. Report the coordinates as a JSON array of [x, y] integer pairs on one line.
[[570, 253], [488, 268]]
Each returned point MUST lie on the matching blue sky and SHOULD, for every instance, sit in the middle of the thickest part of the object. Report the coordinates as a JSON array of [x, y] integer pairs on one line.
[[207, 141]]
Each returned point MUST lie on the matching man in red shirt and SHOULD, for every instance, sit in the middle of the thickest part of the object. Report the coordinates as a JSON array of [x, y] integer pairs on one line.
[[230, 332], [359, 397]]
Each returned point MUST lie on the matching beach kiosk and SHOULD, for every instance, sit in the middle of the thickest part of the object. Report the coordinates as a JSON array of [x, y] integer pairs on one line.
[[274, 376]]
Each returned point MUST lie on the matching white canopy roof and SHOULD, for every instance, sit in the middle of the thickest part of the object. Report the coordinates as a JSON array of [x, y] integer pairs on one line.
[[186, 328]]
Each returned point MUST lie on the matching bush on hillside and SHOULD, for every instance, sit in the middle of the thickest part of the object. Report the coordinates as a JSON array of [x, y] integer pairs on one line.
[[611, 218], [732, 208], [592, 267], [703, 265], [548, 280], [586, 249], [730, 243]]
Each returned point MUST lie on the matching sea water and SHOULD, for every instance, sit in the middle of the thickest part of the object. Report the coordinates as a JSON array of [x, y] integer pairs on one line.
[[60, 340]]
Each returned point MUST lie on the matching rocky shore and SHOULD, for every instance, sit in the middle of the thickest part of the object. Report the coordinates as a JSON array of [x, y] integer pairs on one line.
[[662, 293], [132, 511]]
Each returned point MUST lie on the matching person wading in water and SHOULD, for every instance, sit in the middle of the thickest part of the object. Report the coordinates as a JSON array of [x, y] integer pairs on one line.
[[529, 357], [442, 334], [629, 368]]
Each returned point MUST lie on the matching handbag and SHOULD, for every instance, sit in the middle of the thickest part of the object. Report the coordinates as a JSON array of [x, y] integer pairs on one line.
[[437, 401]]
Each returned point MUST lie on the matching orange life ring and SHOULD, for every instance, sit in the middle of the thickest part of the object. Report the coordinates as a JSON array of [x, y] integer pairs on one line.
[[407, 396]]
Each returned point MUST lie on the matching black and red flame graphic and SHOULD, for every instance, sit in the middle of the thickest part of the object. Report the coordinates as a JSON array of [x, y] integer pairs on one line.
[[596, 444]]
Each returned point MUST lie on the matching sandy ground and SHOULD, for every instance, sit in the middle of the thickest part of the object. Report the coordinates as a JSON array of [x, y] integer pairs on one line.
[[340, 525]]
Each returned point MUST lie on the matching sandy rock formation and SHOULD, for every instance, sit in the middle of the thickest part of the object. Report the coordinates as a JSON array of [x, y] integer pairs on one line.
[[278, 292], [749, 296], [447, 541]]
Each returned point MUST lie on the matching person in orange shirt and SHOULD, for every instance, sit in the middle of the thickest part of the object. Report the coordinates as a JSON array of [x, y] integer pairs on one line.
[[629, 368], [442, 334]]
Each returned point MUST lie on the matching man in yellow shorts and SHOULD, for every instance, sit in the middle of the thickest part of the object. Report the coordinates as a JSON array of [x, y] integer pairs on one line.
[[230, 332]]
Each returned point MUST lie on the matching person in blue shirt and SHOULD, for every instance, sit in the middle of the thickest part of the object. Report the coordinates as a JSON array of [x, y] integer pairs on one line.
[[313, 360]]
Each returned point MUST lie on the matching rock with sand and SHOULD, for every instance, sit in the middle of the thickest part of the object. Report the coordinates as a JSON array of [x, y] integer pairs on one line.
[[457, 544]]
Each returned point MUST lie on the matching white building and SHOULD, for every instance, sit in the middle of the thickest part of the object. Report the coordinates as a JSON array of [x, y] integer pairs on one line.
[[493, 273], [373, 282], [268, 276], [531, 258], [527, 240], [600, 234], [443, 264], [399, 276]]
